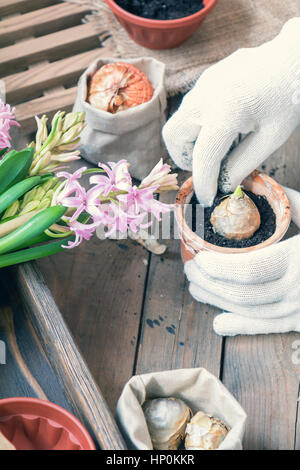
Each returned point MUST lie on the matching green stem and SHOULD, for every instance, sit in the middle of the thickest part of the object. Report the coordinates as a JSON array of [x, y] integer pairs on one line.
[[35, 241], [16, 191], [30, 254], [57, 235], [93, 170], [35, 226], [112, 196], [238, 193]]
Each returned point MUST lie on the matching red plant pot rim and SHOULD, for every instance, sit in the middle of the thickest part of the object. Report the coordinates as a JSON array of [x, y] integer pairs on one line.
[[64, 417], [161, 24], [194, 243]]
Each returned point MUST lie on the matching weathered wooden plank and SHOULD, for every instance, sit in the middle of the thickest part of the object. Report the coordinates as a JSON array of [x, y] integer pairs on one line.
[[27, 85], [70, 369], [259, 370], [49, 47], [40, 22], [99, 289], [9, 7], [62, 100], [297, 433], [176, 331], [27, 371]]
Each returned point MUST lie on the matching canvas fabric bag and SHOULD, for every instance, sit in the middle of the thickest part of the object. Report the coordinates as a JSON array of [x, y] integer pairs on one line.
[[231, 25], [133, 134], [198, 388]]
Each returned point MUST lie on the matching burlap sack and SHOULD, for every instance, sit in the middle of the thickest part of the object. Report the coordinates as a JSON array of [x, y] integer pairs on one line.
[[134, 134], [232, 24], [197, 387]]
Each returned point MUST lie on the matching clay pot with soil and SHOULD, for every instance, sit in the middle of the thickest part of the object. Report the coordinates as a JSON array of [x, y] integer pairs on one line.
[[268, 226], [160, 25]]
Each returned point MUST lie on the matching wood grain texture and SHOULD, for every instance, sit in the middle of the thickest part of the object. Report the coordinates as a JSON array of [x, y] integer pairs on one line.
[[259, 370], [69, 367], [9, 7], [48, 104], [49, 47], [40, 22], [176, 330], [31, 83], [99, 287]]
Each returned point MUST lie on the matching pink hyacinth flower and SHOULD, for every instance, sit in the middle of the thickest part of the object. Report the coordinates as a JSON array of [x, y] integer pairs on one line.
[[117, 179], [161, 177], [7, 119], [122, 221], [142, 200], [72, 178], [81, 231], [71, 194]]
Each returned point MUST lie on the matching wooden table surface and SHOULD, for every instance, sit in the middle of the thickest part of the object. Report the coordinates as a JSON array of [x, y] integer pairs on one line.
[[131, 313]]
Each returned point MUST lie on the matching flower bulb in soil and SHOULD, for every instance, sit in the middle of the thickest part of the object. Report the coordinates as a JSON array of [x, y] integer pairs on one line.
[[236, 217]]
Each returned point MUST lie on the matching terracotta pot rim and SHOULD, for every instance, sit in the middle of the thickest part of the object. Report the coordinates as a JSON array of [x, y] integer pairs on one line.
[[194, 243], [34, 406], [161, 24]]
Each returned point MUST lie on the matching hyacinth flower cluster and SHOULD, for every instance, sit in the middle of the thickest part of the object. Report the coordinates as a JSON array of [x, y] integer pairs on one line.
[[112, 200], [7, 119], [41, 202]]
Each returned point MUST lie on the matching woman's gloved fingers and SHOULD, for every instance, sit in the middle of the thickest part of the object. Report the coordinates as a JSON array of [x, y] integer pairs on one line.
[[181, 131], [258, 266], [210, 148], [271, 310], [180, 135], [294, 198], [231, 324], [250, 153], [239, 293]]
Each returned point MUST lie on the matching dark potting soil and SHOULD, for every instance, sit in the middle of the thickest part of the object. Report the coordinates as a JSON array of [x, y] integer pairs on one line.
[[161, 10], [265, 231]]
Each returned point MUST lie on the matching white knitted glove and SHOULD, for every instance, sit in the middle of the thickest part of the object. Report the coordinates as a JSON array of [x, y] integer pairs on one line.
[[261, 288], [253, 91]]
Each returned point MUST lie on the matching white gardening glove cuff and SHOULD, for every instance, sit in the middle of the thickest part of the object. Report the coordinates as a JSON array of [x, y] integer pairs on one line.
[[231, 324], [260, 289]]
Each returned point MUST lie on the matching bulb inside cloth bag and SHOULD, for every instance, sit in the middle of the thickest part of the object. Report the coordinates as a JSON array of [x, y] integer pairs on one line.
[[124, 101]]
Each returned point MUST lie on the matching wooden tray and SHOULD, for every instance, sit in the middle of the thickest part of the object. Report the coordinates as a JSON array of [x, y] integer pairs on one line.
[[41, 358], [45, 47]]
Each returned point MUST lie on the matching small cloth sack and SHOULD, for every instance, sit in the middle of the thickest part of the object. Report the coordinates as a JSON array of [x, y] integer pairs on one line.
[[133, 134], [199, 389]]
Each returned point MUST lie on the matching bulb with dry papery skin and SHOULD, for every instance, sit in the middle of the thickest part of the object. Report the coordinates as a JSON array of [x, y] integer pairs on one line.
[[236, 217], [166, 420], [119, 86], [204, 432]]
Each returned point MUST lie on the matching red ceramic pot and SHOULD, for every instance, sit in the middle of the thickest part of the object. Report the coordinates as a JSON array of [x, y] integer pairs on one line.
[[258, 183], [160, 34], [33, 424]]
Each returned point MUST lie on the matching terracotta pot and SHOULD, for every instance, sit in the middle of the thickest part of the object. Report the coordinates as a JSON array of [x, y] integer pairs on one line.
[[160, 34], [33, 424], [258, 183]]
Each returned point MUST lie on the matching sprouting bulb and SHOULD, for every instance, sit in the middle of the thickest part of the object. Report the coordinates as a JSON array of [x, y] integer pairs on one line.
[[236, 217]]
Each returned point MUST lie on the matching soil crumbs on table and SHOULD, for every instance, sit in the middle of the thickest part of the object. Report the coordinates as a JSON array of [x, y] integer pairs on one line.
[[265, 231], [161, 10]]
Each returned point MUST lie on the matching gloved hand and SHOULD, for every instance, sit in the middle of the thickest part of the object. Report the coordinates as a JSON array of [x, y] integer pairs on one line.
[[261, 288], [253, 91]]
